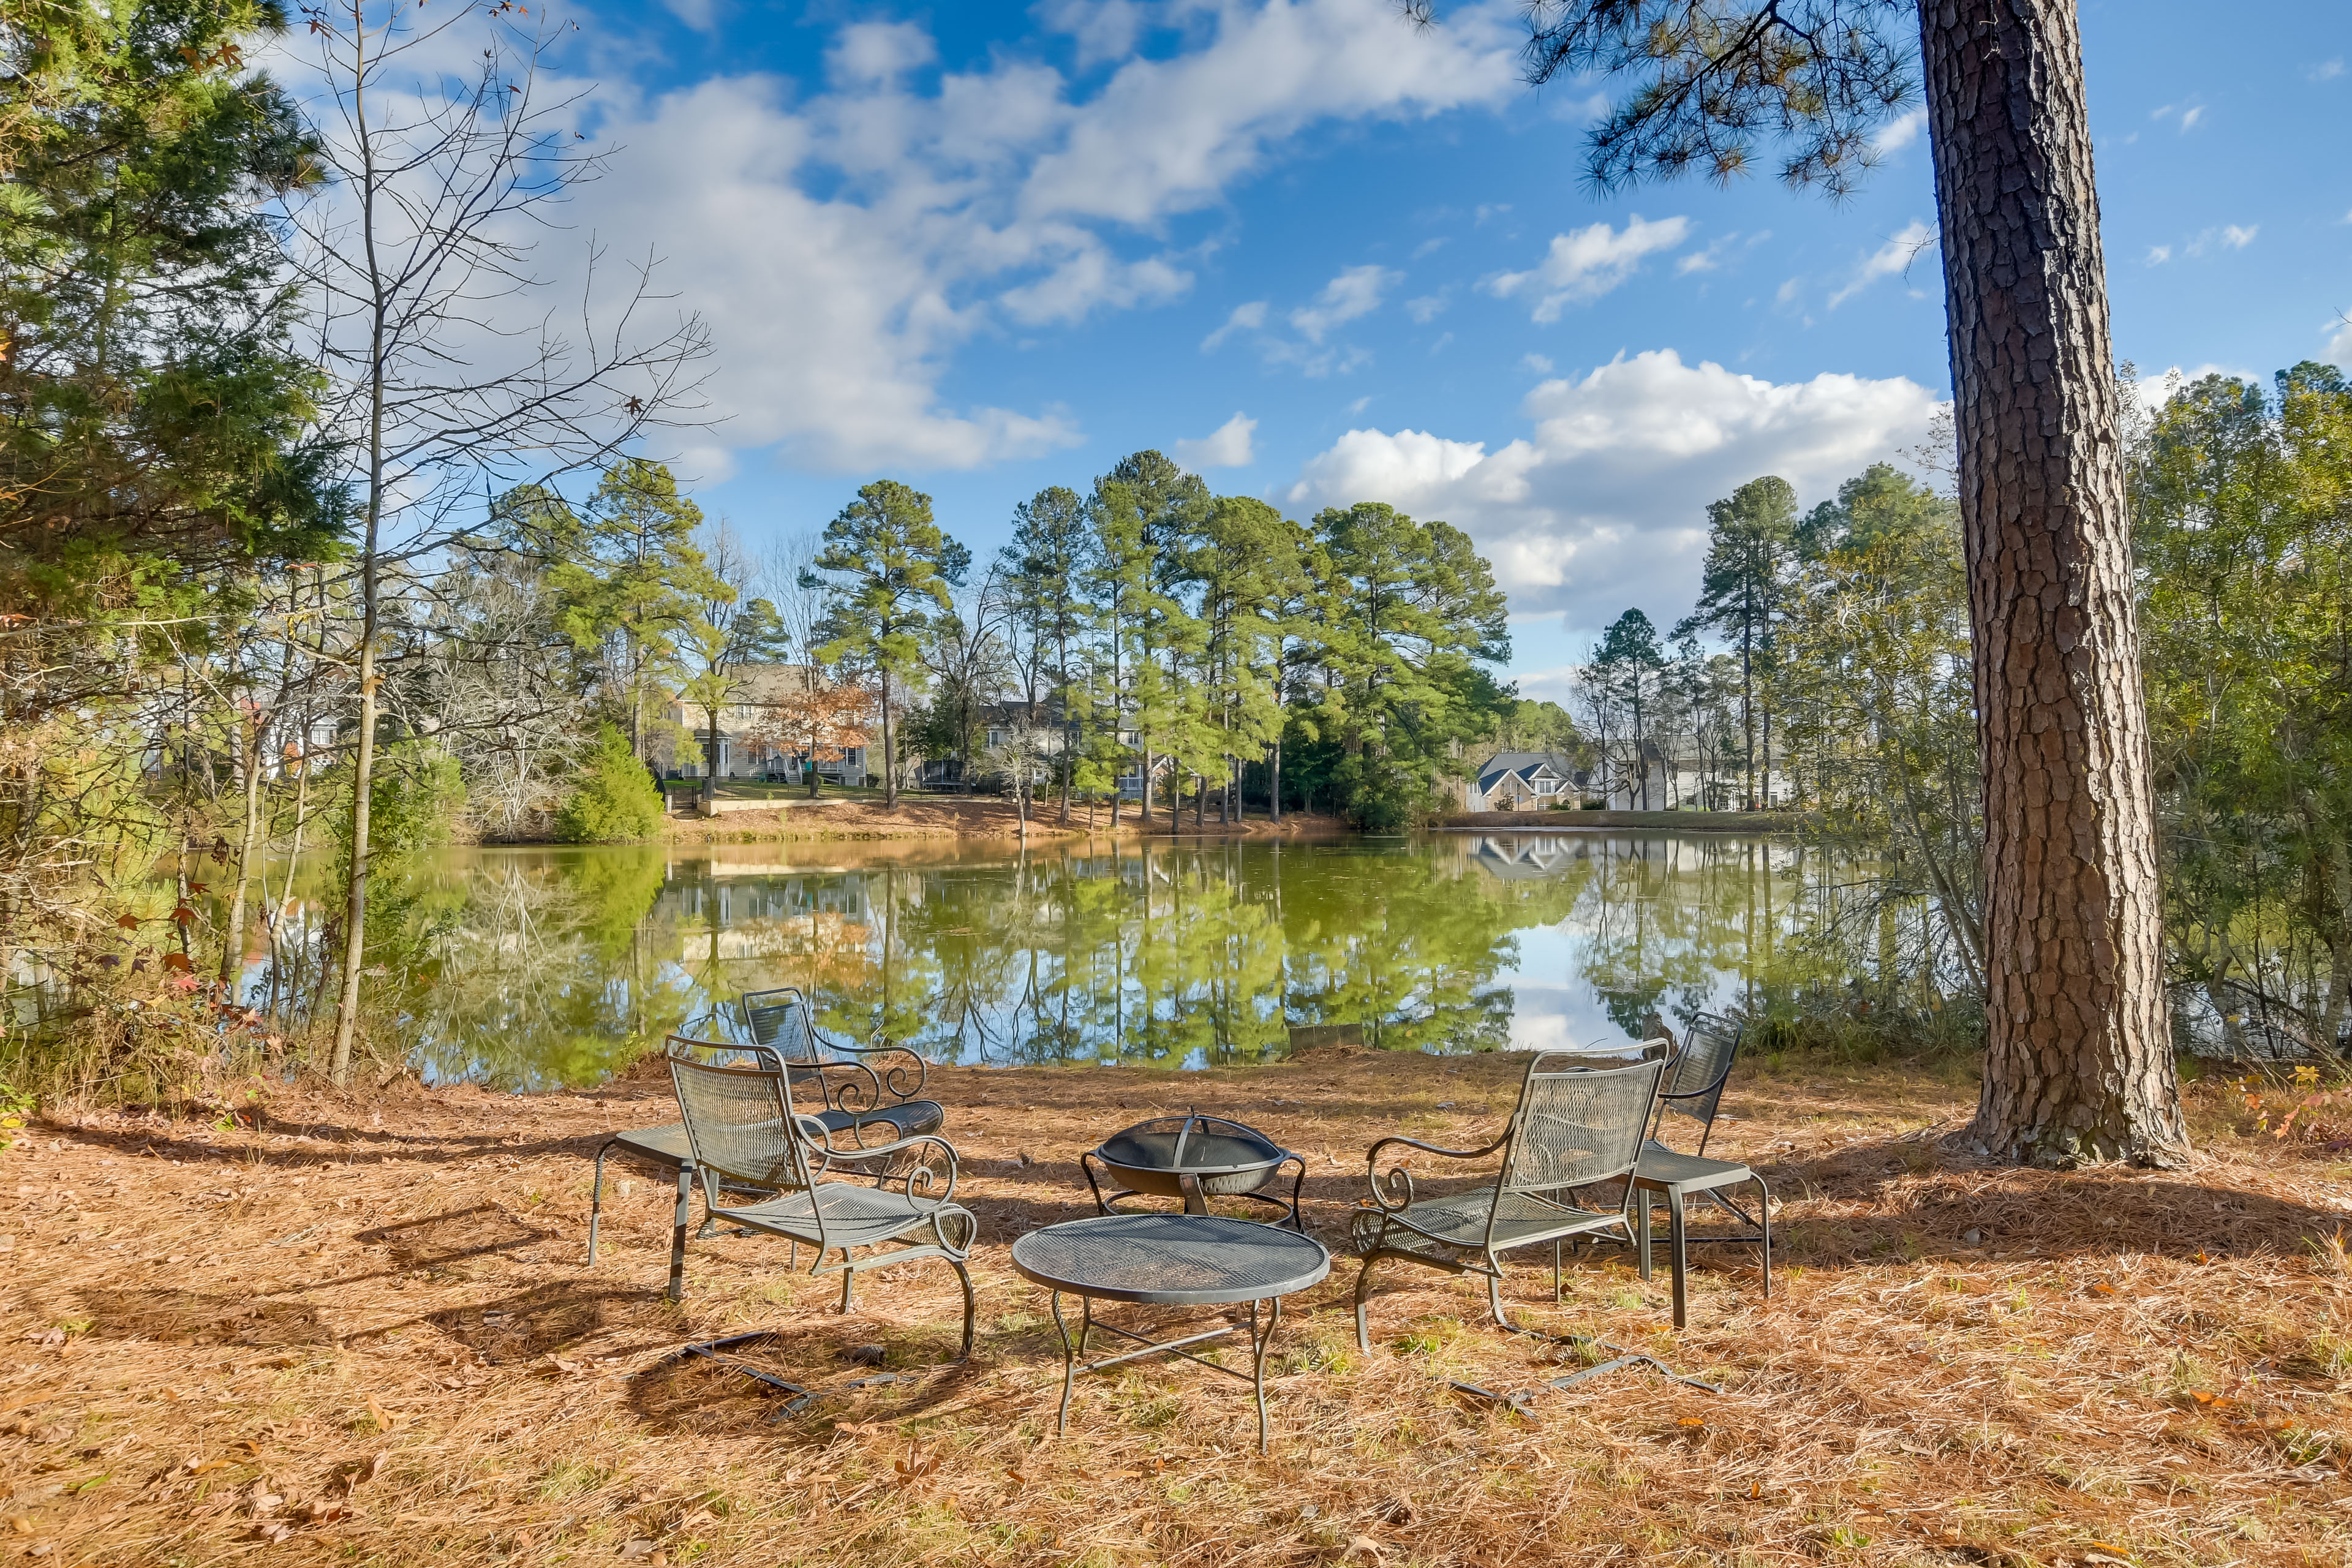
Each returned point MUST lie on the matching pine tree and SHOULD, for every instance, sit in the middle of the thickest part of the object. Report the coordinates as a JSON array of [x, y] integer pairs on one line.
[[887, 568]]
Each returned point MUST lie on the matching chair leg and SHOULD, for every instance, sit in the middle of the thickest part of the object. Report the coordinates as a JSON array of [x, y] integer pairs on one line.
[[1764, 1220], [1364, 1284], [971, 1305], [596, 1201], [1642, 1231], [1555, 1272], [1678, 1245], [1495, 1292], [677, 1233], [848, 1281]]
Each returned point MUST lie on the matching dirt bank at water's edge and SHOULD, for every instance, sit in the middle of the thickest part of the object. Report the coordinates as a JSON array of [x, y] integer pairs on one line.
[[1618, 821], [938, 816]]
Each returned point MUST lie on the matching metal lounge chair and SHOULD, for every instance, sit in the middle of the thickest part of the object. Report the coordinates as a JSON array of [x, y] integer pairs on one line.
[[1573, 1128], [843, 1085], [746, 1133], [871, 1084], [1693, 1088]]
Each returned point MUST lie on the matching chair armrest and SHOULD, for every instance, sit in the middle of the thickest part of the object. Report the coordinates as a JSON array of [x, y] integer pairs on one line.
[[854, 1096], [919, 1178], [892, 1079], [1393, 1192]]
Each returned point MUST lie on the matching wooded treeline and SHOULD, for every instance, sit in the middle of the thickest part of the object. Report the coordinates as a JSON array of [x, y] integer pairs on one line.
[[1837, 677]]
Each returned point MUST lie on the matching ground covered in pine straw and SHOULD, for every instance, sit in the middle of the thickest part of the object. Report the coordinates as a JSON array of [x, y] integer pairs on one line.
[[360, 1331]]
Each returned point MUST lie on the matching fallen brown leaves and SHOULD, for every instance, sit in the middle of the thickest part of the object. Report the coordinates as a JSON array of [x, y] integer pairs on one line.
[[1959, 1363]]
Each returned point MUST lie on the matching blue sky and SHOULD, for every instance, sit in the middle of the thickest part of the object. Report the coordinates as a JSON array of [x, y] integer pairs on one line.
[[984, 250]]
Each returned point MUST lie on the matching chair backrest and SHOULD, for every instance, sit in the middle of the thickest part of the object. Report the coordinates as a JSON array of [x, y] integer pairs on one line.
[[1577, 1125], [779, 1019], [737, 1101], [1694, 1086]]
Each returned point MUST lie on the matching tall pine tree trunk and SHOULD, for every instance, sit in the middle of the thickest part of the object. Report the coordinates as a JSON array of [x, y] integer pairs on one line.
[[2079, 1060], [889, 773]]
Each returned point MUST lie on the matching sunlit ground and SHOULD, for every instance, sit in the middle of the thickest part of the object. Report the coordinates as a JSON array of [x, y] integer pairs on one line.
[[364, 1333]]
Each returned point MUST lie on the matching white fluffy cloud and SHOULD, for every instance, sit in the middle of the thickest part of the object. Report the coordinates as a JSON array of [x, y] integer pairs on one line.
[[1357, 291], [2339, 348], [1604, 504], [1900, 131], [844, 243], [1585, 264], [1895, 255], [1246, 318], [1227, 447]]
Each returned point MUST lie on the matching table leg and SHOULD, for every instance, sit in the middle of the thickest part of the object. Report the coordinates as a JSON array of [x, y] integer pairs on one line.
[[1069, 1365], [678, 1233], [1259, 1343], [1674, 1244]]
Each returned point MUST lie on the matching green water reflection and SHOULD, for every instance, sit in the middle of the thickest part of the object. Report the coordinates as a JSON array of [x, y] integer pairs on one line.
[[540, 968]]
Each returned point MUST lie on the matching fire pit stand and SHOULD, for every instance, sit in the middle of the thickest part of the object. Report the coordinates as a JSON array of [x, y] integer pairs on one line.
[[1194, 1158]]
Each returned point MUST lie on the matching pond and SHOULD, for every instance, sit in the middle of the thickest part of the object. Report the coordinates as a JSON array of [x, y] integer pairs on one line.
[[540, 968]]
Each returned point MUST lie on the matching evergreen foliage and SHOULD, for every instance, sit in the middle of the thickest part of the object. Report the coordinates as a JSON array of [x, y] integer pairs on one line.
[[615, 799]]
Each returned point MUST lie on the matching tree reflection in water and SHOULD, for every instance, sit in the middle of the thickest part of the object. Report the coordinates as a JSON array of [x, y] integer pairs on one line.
[[540, 968]]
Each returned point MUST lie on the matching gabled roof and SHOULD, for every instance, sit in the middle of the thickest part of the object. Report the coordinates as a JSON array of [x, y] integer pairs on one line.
[[1524, 765]]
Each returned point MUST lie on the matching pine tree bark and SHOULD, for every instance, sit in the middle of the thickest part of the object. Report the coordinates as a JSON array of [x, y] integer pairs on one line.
[[2078, 1063]]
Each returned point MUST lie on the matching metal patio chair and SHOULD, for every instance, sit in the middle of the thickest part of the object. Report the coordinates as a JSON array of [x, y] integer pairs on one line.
[[1574, 1127], [866, 1084], [1693, 1088], [746, 1134], [665, 1148]]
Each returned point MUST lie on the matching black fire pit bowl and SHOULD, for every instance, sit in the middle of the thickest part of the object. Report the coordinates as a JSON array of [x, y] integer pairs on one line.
[[1194, 1158]]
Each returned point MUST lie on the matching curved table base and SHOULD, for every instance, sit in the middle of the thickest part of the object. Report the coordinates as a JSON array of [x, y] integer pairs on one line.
[[1260, 1339]]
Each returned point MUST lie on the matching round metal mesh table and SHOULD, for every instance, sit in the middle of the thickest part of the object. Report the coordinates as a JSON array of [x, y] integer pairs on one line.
[[1171, 1259]]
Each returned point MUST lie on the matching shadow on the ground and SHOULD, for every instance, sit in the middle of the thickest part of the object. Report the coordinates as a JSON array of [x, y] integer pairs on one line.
[[165, 1314], [1891, 1199]]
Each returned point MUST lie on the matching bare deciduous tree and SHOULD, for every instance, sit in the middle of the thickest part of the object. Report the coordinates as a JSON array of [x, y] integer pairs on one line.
[[447, 372]]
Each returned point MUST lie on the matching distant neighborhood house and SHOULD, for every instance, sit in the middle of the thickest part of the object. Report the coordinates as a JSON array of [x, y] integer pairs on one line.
[[752, 728], [1524, 781], [1648, 778]]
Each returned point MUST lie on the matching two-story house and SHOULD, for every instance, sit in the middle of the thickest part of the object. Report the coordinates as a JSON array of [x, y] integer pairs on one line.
[[756, 738]]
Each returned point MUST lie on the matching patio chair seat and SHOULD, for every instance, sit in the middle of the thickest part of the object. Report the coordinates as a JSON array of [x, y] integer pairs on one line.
[[1660, 1167], [854, 1215], [1519, 1219]]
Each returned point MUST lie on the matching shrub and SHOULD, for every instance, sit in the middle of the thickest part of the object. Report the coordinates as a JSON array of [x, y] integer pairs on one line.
[[615, 798]]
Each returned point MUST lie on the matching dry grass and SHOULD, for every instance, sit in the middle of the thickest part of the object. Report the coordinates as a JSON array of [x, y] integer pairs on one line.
[[362, 1332]]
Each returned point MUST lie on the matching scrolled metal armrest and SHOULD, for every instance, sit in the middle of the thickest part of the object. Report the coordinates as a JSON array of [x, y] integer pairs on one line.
[[853, 1096], [893, 1075], [1392, 1192], [919, 1175]]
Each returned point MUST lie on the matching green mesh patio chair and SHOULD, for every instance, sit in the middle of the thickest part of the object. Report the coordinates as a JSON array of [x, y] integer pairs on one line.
[[1694, 1090], [665, 1149], [746, 1133], [1575, 1128], [862, 1085]]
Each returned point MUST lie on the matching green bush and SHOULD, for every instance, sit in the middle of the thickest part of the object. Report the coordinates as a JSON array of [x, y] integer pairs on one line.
[[614, 797]]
